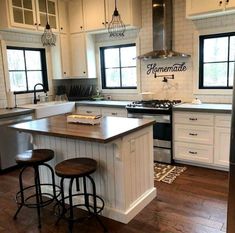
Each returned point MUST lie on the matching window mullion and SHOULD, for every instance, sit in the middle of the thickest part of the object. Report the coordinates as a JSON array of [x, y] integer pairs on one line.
[[120, 68], [228, 61], [26, 75]]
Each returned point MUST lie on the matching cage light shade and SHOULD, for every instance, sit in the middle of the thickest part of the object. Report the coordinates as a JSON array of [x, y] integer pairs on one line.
[[116, 27], [48, 37]]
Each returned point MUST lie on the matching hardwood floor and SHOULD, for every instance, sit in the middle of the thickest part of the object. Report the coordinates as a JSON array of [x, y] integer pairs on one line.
[[195, 203]]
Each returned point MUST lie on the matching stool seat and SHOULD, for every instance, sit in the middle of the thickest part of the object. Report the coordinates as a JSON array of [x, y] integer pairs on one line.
[[37, 156], [76, 167]]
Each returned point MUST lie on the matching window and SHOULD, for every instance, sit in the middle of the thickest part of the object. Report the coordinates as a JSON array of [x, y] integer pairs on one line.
[[27, 67], [118, 67], [217, 57]]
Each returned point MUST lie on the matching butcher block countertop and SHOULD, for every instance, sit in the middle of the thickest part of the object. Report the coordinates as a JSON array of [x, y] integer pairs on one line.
[[109, 129]]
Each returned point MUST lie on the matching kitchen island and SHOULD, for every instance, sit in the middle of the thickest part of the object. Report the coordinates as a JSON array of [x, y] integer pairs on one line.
[[123, 148]]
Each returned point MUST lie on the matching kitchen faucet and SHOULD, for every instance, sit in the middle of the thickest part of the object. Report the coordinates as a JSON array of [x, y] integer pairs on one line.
[[35, 100]]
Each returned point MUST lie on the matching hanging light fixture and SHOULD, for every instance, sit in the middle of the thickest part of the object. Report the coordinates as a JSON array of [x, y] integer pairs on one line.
[[116, 27], [48, 37]]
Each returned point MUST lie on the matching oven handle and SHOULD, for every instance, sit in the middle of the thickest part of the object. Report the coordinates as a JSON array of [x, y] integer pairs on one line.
[[159, 118]]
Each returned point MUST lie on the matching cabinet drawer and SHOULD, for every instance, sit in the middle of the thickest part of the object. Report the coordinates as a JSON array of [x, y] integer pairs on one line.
[[89, 110], [193, 152], [193, 118], [197, 134], [223, 120], [114, 112]]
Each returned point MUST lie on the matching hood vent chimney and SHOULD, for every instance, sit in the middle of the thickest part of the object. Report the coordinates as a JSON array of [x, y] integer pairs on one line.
[[162, 31]]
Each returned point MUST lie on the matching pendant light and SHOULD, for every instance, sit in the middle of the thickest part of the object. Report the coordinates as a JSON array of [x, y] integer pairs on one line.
[[116, 27], [48, 37]]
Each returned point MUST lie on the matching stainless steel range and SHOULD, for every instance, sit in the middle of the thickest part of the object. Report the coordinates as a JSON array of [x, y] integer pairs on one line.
[[161, 111]]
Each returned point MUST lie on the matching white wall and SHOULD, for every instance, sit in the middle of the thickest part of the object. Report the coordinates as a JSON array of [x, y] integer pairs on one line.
[[185, 33]]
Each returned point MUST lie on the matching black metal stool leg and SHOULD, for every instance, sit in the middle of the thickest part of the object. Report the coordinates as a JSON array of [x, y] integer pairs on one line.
[[86, 197], [62, 201], [52, 179], [21, 192], [38, 193], [71, 205], [95, 204]]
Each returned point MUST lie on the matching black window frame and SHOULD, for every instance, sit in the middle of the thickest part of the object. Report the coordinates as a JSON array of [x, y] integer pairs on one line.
[[201, 58], [102, 63], [43, 64]]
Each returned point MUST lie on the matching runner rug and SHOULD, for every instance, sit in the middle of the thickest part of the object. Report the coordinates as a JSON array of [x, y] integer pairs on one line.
[[167, 173]]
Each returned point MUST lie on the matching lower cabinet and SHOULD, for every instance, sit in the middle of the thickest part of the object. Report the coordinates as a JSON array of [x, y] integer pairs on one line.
[[104, 111], [202, 142]]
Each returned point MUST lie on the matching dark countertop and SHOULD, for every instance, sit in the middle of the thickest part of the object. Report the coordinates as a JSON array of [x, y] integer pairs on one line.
[[212, 108], [14, 112], [103, 103], [109, 129]]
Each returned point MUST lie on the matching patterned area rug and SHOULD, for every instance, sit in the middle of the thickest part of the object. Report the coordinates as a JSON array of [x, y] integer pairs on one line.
[[167, 173]]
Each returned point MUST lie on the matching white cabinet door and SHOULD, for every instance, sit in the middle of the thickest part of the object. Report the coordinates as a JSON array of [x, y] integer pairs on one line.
[[65, 55], [63, 16], [78, 55], [76, 22], [229, 4], [51, 8], [23, 14], [114, 112], [88, 110], [94, 15], [193, 152], [200, 7], [222, 146]]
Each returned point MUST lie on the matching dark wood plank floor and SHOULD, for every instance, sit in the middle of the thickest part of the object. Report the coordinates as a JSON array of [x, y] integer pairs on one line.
[[195, 203]]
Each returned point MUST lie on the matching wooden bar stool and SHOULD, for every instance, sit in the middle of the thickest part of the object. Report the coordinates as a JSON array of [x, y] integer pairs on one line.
[[74, 170], [32, 196]]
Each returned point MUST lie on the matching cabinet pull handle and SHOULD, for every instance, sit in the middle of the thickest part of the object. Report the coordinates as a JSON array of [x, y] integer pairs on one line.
[[192, 152], [88, 111], [114, 113], [192, 119], [193, 134]]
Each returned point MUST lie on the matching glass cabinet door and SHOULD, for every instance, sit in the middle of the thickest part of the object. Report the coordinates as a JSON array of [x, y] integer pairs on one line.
[[51, 9], [23, 13]]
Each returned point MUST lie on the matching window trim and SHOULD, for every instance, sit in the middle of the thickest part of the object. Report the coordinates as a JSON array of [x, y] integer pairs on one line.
[[201, 63], [43, 63], [102, 65]]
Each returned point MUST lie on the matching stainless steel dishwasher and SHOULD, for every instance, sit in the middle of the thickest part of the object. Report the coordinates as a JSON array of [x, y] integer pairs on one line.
[[12, 142]]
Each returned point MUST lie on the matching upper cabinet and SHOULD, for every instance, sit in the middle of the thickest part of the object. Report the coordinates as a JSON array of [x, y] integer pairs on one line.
[[28, 14], [196, 9], [95, 15], [76, 22], [63, 16]]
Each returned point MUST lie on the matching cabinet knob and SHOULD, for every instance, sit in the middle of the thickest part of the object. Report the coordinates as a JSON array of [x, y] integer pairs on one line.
[[103, 23], [35, 24], [65, 72], [220, 3], [227, 1], [61, 28], [107, 22], [84, 72], [81, 27], [39, 24]]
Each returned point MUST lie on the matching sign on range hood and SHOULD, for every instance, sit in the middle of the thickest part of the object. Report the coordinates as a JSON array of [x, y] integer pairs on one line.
[[162, 31]]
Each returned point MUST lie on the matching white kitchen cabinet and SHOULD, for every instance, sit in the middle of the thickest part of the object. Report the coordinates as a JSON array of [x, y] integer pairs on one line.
[[76, 21], [88, 110], [63, 16], [130, 11], [65, 55], [104, 111], [114, 112], [196, 9], [94, 15], [82, 56], [222, 139], [202, 138], [30, 14]]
